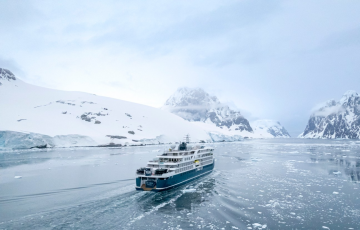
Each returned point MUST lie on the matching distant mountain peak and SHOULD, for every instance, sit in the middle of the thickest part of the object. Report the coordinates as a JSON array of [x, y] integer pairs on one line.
[[188, 97], [6, 75], [195, 104], [272, 127], [348, 95]]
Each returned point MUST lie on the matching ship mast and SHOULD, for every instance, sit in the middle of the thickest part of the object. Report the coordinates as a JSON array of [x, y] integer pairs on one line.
[[187, 139]]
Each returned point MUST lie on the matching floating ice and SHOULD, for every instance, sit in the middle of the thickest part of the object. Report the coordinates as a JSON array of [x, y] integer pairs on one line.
[[335, 193], [259, 226], [324, 227], [337, 173], [255, 159], [17, 177], [189, 190]]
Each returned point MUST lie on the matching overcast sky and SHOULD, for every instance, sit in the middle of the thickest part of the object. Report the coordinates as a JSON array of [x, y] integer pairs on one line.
[[269, 59]]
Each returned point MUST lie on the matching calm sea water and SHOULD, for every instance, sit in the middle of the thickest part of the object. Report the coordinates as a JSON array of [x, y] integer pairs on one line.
[[256, 184]]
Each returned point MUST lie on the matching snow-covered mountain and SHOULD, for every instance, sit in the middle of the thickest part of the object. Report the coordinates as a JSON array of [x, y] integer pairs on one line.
[[32, 115], [269, 128], [336, 119], [221, 122], [198, 105]]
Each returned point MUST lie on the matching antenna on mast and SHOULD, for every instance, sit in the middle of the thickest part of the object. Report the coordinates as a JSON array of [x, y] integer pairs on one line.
[[187, 139]]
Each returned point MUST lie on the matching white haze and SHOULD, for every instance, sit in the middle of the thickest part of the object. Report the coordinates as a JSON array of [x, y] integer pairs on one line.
[[274, 59]]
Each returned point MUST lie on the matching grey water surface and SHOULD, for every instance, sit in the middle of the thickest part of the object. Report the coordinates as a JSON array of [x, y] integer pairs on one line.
[[256, 184]]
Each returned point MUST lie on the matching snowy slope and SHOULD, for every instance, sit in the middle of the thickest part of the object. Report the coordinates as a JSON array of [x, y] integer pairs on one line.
[[336, 119], [31, 109], [269, 129], [216, 118]]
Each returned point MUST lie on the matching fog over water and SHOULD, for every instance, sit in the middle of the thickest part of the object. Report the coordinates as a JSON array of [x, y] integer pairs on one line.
[[256, 184]]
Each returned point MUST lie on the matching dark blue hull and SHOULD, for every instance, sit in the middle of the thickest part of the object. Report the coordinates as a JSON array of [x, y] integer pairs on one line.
[[177, 180]]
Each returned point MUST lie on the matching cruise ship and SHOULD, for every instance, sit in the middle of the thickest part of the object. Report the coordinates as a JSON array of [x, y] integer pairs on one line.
[[175, 167]]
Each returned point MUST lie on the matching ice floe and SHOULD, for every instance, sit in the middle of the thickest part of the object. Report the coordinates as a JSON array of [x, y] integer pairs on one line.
[[189, 190]]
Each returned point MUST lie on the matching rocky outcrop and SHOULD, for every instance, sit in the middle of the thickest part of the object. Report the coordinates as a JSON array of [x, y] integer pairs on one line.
[[336, 119], [6, 75]]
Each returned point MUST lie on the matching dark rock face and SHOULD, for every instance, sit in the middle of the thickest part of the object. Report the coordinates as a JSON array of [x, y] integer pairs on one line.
[[198, 105], [336, 119], [6, 75], [89, 116], [85, 117]]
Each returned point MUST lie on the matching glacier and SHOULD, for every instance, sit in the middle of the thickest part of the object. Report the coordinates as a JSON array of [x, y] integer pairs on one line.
[[21, 140], [218, 137]]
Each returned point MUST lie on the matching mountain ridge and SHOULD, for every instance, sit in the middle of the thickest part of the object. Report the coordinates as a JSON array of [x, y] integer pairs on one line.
[[198, 106]]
